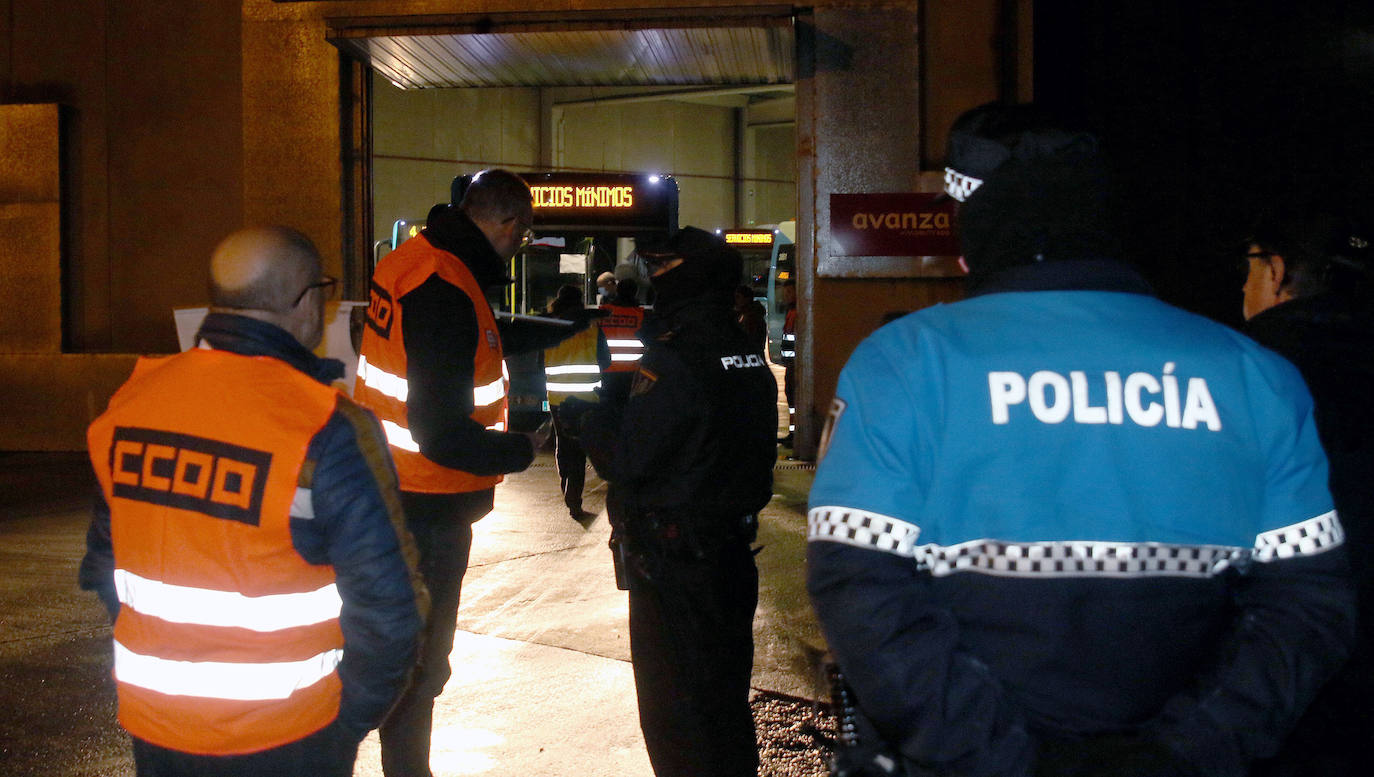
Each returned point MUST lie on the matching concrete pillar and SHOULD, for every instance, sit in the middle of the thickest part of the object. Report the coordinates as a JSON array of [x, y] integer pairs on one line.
[[858, 99]]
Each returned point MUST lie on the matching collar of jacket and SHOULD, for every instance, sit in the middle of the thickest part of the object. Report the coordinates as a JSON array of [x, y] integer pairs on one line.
[[250, 337], [1080, 275], [458, 235]]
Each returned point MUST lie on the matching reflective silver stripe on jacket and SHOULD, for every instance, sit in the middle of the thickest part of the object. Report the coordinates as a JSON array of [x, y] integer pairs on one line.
[[1073, 558]]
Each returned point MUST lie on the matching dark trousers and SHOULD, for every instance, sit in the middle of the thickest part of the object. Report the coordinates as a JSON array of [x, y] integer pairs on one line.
[[692, 646], [329, 752], [570, 459], [442, 526]]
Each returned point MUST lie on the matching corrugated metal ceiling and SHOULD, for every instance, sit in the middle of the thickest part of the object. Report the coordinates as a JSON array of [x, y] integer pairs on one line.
[[718, 51]]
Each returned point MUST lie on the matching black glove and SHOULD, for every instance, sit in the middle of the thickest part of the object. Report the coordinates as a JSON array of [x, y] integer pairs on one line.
[[572, 408], [1110, 755]]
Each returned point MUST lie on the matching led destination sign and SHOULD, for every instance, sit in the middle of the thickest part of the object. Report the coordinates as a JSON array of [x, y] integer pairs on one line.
[[760, 238], [614, 203], [621, 204], [589, 196]]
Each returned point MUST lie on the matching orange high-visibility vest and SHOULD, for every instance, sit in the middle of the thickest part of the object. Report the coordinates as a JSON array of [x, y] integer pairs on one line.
[[381, 383], [227, 641], [621, 326]]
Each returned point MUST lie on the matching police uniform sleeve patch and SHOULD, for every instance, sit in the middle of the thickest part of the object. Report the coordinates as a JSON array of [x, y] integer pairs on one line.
[[837, 407], [644, 381]]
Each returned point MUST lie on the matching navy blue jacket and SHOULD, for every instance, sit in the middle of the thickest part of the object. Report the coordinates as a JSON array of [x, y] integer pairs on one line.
[[1063, 521], [358, 528]]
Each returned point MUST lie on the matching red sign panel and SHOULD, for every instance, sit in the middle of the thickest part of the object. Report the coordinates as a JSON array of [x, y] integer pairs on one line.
[[900, 224]]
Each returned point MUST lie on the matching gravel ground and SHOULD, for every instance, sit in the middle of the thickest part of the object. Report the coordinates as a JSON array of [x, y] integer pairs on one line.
[[795, 735]]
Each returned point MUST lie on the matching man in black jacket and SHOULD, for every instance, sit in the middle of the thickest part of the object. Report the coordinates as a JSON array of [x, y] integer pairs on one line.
[[431, 368], [691, 455], [1309, 294]]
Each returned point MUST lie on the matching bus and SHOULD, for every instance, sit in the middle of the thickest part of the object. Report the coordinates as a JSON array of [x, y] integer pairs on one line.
[[769, 256], [588, 223], [584, 224]]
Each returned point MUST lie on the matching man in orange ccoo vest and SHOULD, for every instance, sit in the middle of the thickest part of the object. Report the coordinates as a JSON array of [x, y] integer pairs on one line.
[[431, 368], [248, 538]]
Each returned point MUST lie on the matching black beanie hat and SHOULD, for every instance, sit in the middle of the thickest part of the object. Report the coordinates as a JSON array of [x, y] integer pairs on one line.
[[1032, 190], [709, 267]]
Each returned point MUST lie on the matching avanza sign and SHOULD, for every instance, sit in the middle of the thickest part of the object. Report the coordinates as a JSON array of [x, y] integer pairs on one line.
[[899, 224]]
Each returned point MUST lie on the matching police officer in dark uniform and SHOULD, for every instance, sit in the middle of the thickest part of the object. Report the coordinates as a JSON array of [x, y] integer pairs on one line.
[[691, 454]]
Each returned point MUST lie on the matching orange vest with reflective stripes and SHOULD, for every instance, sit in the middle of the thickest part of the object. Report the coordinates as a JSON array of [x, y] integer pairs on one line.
[[621, 326], [227, 641], [381, 382]]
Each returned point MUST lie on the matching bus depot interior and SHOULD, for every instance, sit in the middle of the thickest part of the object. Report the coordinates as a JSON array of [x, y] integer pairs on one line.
[[586, 224], [702, 142]]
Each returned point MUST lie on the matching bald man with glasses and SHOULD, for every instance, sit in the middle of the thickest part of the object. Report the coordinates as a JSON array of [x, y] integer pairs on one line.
[[247, 538]]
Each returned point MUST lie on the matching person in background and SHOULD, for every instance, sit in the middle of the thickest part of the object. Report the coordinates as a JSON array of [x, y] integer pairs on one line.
[[690, 453], [751, 316], [623, 318], [247, 537], [605, 287], [1061, 528], [1309, 295], [431, 367], [787, 357], [572, 369]]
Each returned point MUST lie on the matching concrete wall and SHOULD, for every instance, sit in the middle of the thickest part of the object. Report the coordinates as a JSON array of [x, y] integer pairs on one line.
[[178, 122], [862, 100], [46, 397], [146, 173], [422, 138]]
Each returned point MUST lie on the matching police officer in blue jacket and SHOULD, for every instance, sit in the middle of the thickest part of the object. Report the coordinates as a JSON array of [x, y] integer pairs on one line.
[[1060, 527]]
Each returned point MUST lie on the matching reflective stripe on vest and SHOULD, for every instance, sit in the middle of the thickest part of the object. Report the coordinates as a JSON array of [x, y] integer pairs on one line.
[[382, 385], [621, 326], [222, 679], [227, 640], [230, 609], [393, 386], [572, 378], [788, 350], [570, 368], [625, 350], [397, 388]]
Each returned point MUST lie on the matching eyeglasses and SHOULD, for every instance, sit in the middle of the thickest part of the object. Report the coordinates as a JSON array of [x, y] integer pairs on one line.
[[328, 283], [523, 228]]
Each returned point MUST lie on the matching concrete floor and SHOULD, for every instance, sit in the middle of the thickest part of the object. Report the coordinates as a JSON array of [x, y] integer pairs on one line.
[[542, 683]]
